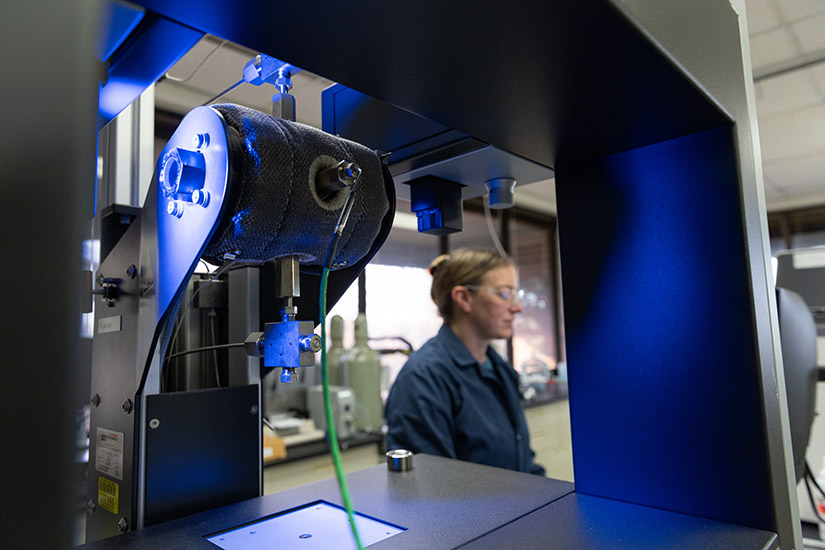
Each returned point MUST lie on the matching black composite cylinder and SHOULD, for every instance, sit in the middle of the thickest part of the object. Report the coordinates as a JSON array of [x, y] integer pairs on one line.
[[274, 208]]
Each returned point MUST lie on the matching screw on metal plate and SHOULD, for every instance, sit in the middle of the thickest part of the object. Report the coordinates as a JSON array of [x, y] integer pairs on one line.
[[253, 409], [305, 536], [174, 208], [95, 400], [127, 406], [154, 423], [91, 506], [131, 271], [122, 525], [200, 141], [200, 197]]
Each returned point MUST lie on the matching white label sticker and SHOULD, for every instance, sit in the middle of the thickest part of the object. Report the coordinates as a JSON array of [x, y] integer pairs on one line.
[[109, 324], [109, 453]]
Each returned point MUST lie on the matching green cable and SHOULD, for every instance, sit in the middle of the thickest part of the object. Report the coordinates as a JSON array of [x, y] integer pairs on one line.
[[333, 436]]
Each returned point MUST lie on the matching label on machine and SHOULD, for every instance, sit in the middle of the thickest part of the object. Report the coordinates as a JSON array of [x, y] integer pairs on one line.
[[109, 324], [107, 494], [109, 453]]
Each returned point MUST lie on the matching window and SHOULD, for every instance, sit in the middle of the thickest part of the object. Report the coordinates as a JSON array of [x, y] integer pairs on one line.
[[535, 347]]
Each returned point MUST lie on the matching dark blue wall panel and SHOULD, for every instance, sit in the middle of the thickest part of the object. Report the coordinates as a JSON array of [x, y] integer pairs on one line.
[[664, 387]]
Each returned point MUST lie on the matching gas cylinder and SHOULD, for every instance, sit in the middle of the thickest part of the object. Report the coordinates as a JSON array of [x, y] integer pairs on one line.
[[364, 370], [336, 355]]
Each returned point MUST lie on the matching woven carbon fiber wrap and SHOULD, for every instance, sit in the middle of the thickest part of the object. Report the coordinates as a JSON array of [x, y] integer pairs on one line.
[[273, 208]]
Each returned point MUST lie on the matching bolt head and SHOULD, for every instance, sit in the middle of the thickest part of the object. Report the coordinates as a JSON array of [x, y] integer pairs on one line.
[[91, 506], [95, 401], [315, 343], [200, 197], [200, 141], [122, 525], [174, 208], [127, 406]]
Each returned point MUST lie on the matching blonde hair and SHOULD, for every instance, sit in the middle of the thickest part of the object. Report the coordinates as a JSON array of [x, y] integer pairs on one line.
[[464, 266]]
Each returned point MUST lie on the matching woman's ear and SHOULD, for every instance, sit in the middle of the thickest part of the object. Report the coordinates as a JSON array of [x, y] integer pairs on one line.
[[462, 298]]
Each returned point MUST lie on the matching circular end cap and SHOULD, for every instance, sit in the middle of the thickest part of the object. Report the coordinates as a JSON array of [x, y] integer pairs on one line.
[[311, 343], [501, 193], [399, 460], [181, 171]]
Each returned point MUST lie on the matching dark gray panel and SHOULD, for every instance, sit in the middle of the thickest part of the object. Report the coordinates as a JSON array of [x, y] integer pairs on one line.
[[47, 161], [581, 522], [443, 503]]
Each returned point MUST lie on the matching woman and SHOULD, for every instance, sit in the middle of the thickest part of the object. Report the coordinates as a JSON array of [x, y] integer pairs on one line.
[[456, 397]]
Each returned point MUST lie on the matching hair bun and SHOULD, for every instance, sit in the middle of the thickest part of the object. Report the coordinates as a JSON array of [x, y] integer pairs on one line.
[[437, 263]]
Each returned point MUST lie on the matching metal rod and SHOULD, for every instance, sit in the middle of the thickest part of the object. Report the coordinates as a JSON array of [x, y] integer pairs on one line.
[[223, 93]]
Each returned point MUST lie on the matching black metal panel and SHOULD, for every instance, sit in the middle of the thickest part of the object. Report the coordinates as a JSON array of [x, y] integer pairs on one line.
[[378, 125], [115, 219], [201, 451], [542, 80], [578, 521]]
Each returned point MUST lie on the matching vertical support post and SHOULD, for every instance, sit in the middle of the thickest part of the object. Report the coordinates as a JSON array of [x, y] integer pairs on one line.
[[244, 318]]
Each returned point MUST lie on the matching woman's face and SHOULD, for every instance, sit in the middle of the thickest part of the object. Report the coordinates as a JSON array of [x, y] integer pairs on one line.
[[491, 314]]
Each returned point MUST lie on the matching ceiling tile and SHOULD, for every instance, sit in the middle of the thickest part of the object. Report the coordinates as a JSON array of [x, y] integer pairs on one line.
[[794, 10], [771, 48], [792, 134], [803, 174], [815, 184], [772, 190], [811, 33], [817, 74], [761, 16], [786, 92]]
